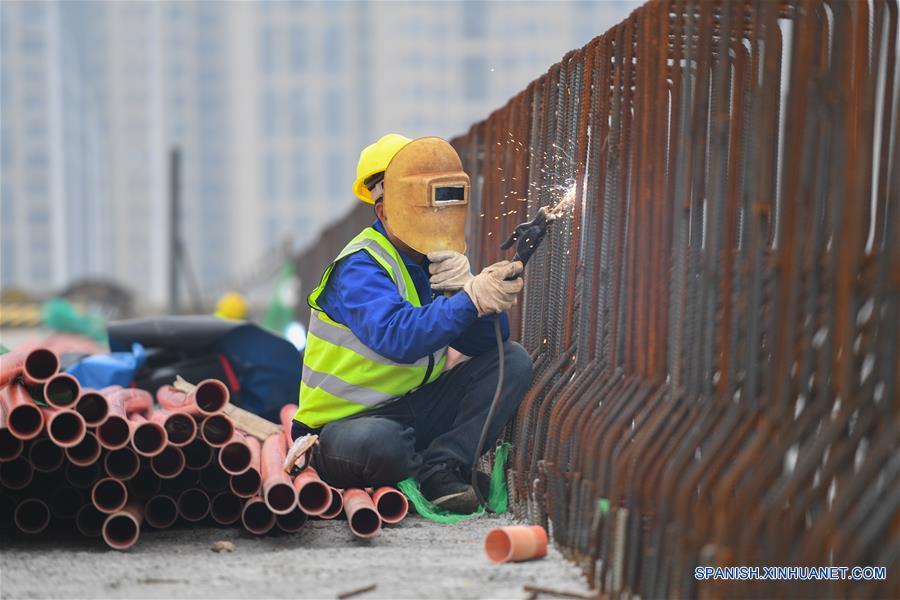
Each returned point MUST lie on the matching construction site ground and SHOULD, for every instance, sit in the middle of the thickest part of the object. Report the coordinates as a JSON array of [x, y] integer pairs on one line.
[[414, 559]]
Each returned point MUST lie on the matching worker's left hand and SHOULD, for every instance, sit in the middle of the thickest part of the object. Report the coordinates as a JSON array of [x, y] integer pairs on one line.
[[449, 270]]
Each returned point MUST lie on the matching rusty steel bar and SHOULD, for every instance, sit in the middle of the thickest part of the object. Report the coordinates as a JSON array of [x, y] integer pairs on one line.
[[715, 323]]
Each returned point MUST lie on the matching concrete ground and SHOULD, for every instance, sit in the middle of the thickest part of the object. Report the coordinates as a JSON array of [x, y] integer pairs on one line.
[[414, 559]]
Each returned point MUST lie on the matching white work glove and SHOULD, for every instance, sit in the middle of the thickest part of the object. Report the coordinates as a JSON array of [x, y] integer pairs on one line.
[[449, 270], [494, 290]]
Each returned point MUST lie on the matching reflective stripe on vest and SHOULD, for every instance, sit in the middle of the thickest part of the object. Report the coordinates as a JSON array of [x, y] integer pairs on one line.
[[341, 375]]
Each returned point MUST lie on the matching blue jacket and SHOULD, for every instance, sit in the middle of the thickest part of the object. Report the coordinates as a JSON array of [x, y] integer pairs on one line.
[[362, 296]]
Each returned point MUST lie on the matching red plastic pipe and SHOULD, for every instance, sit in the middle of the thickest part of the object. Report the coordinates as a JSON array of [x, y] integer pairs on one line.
[[337, 505], [89, 521], [391, 504], [144, 485], [516, 543], [361, 513], [122, 529], [147, 437], [109, 495], [35, 366], [93, 407], [225, 508], [277, 490], [65, 502], [256, 517], [235, 457], [115, 431], [82, 477], [85, 452], [32, 516], [197, 454], [16, 474], [213, 479], [45, 456], [23, 417], [122, 464], [161, 511], [248, 483], [62, 391], [286, 416], [10, 446], [168, 463], [313, 494], [293, 521], [132, 400], [216, 430], [65, 427], [209, 397], [193, 504], [179, 425]]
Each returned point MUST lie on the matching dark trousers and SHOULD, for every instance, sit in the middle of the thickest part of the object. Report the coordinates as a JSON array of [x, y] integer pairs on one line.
[[437, 426]]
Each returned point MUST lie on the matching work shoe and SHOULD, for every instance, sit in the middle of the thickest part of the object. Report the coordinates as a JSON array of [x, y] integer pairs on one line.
[[445, 488]]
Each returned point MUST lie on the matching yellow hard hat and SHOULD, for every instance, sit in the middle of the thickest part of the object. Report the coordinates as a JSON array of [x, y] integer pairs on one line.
[[375, 159], [232, 306]]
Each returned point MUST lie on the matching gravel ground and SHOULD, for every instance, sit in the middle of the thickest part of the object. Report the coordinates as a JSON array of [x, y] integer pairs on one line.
[[415, 559]]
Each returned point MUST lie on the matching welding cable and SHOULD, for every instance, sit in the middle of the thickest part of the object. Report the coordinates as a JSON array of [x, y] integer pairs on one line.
[[490, 416]]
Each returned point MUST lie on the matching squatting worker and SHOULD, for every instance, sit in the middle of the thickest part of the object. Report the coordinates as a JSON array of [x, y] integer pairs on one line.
[[375, 385]]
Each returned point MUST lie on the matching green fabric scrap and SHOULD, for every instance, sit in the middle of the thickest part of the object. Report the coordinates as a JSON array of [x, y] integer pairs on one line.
[[498, 496]]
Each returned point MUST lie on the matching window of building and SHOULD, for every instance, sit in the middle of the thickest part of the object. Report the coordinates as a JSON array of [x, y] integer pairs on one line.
[[334, 112], [474, 19], [298, 113], [298, 49], [270, 176], [267, 50], [269, 109], [333, 50]]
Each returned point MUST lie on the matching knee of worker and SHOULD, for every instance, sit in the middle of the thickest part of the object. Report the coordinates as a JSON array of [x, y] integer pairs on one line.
[[367, 452], [518, 370]]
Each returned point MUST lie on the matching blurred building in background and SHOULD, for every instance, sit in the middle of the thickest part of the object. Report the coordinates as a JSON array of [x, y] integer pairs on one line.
[[269, 103]]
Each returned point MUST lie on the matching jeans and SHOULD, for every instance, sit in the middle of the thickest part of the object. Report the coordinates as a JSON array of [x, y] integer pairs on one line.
[[434, 427]]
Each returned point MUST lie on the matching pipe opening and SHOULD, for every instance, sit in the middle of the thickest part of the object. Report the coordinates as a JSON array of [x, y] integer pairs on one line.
[[82, 476], [45, 456], [235, 458], [183, 481], [7, 510], [213, 478], [336, 506], [62, 390], [114, 432], [197, 454], [392, 505], [122, 463], [66, 428], [32, 516], [149, 439], [257, 518], [86, 451], [217, 429], [246, 484], [281, 497], [144, 484], [211, 396], [93, 407], [120, 531], [109, 495], [89, 520], [314, 497], [65, 502], [226, 508], [10, 445], [41, 364], [25, 420], [365, 521], [180, 428], [193, 504], [498, 546], [161, 511], [168, 463], [16, 474], [291, 522]]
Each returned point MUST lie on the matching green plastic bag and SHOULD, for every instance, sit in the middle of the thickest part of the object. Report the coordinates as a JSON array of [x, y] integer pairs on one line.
[[498, 497]]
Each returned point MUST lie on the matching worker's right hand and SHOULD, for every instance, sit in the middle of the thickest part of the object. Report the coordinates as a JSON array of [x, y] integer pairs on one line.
[[494, 290]]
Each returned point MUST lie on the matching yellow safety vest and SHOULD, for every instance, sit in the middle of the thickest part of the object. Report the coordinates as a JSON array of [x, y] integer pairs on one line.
[[341, 375]]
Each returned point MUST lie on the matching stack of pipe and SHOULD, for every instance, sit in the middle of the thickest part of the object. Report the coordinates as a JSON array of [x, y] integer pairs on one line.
[[112, 462]]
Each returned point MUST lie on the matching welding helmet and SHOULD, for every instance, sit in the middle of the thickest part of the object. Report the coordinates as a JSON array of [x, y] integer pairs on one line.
[[373, 160], [426, 196]]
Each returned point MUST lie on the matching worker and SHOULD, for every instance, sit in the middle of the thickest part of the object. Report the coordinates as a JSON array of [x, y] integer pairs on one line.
[[375, 386], [232, 306]]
